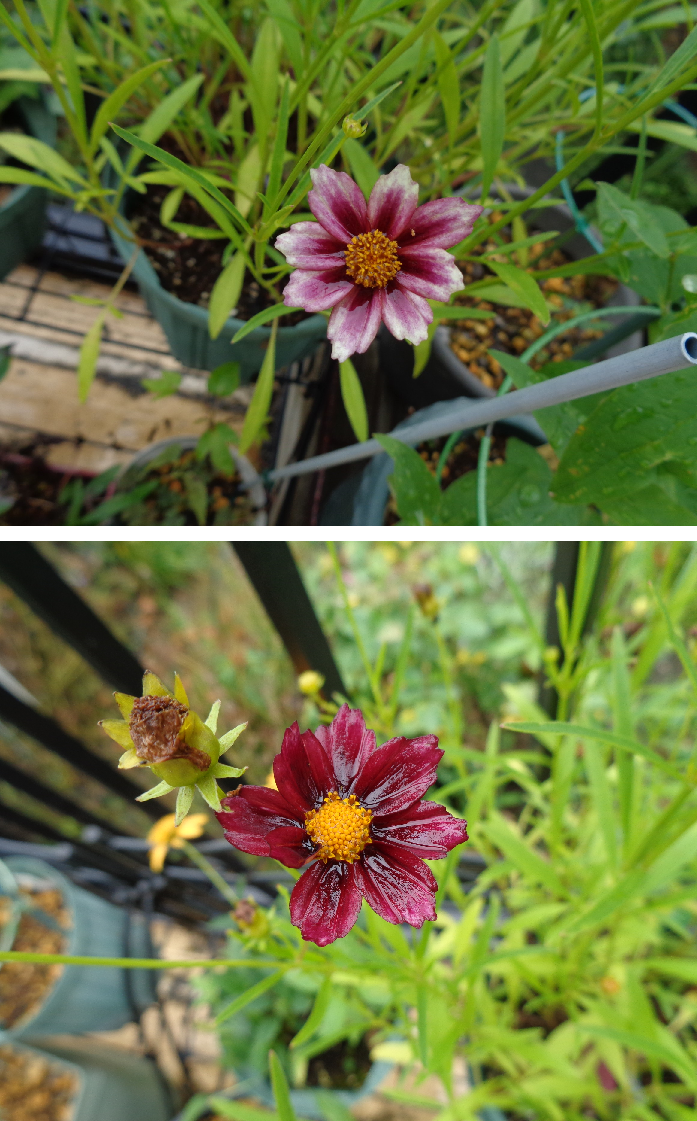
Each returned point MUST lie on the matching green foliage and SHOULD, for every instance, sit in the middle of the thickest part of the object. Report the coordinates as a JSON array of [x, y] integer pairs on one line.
[[563, 972]]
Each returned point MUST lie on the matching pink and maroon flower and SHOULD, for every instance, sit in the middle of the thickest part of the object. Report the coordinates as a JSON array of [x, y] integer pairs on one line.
[[354, 813], [375, 261]]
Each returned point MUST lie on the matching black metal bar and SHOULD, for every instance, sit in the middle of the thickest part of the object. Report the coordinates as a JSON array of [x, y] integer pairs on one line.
[[274, 574], [45, 591], [8, 815], [50, 735], [22, 781]]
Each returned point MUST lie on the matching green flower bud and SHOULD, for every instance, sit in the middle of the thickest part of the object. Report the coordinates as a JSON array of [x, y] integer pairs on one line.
[[353, 128]]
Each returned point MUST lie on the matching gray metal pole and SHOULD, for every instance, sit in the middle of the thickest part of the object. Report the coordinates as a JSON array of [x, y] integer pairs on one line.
[[637, 365]]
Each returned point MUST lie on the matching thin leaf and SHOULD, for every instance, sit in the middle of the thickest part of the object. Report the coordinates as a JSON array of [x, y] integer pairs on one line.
[[225, 294], [525, 287], [185, 797], [448, 85], [156, 792], [259, 405], [188, 174], [261, 318], [363, 167], [354, 401], [676, 640], [316, 1016], [223, 34], [39, 155], [110, 108], [602, 734], [280, 1089], [247, 997], [492, 120], [279, 148], [89, 355]]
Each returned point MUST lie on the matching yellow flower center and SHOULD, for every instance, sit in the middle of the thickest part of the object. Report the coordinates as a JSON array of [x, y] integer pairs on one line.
[[371, 259], [341, 828]]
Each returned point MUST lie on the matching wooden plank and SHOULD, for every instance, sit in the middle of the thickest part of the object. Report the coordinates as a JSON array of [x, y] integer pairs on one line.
[[40, 398]]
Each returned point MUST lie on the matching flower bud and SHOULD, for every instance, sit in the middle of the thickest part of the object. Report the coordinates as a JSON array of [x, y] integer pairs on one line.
[[353, 128], [423, 594], [250, 918], [310, 682]]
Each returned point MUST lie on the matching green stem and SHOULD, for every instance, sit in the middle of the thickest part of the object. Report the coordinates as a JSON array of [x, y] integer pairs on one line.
[[125, 963], [208, 870], [482, 461]]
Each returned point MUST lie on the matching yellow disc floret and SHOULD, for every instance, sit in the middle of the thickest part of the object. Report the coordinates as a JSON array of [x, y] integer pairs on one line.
[[341, 828], [371, 259]]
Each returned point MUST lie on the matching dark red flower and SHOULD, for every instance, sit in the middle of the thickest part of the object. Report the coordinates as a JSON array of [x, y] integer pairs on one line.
[[353, 811]]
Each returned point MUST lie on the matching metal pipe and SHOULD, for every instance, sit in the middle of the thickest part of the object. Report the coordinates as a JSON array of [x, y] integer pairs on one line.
[[637, 365]]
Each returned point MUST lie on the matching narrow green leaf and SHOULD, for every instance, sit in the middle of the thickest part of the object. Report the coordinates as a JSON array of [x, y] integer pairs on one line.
[[316, 1016], [363, 167], [361, 114], [156, 791], [223, 34], [247, 997], [89, 354], [597, 52], [17, 175], [225, 294], [422, 1022], [290, 31], [280, 1089], [525, 287], [454, 311], [262, 87], [259, 405], [261, 318], [602, 798], [279, 148], [110, 108], [422, 350], [39, 155], [236, 1111], [188, 174], [161, 117], [602, 734], [492, 120], [680, 58], [354, 401], [448, 85], [530, 863], [677, 641]]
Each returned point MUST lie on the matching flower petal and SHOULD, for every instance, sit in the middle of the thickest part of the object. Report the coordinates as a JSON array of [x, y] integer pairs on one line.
[[250, 814], [398, 886], [316, 291], [406, 314], [426, 830], [302, 770], [307, 245], [348, 743], [431, 273], [441, 222], [337, 203], [325, 902], [290, 845], [354, 322], [398, 774], [392, 202]]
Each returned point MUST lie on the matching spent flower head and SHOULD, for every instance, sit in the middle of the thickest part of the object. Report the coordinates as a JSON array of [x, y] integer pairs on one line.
[[160, 731], [352, 813], [376, 261]]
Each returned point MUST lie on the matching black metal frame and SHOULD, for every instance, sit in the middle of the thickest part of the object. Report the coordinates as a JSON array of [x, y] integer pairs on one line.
[[117, 865]]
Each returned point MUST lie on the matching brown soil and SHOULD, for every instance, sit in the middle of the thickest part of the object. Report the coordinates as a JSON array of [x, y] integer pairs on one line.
[[343, 1067], [228, 503], [514, 329], [25, 477], [189, 267], [34, 1089], [24, 987]]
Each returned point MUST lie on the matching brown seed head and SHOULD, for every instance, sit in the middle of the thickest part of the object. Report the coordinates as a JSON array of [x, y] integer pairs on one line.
[[155, 727]]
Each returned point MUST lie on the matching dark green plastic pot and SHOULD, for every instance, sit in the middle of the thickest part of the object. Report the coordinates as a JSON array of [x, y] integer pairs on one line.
[[112, 1084], [23, 215], [186, 327], [87, 998]]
